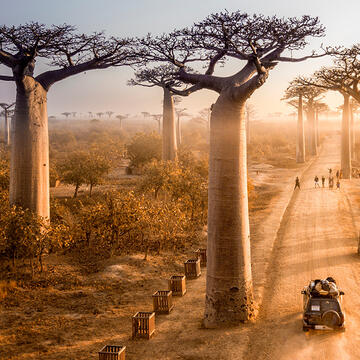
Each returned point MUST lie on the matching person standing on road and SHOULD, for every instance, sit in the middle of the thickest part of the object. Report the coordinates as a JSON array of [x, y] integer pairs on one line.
[[323, 181], [331, 182], [338, 184], [316, 179], [337, 174], [297, 183]]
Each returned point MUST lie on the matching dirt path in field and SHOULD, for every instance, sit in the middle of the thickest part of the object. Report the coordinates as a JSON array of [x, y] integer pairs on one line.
[[317, 239]]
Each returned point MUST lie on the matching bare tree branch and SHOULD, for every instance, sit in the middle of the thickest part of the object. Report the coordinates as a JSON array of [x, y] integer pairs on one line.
[[7, 78]]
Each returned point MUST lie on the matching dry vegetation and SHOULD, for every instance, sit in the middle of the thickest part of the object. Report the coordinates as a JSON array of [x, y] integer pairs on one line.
[[94, 275]]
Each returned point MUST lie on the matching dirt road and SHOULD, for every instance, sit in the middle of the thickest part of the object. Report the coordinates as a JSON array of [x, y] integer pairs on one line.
[[316, 240]]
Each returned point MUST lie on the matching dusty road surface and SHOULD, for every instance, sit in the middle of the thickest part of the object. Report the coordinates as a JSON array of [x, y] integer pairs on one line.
[[316, 240]]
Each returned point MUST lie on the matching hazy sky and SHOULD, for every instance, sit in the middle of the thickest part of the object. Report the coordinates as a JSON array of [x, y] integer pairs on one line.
[[103, 90]]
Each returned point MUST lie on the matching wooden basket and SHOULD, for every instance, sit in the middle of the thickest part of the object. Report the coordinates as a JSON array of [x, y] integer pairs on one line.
[[192, 268], [163, 302], [177, 284], [143, 325], [201, 254], [112, 352]]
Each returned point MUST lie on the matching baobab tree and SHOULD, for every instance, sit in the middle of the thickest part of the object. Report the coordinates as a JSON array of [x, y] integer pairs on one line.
[[73, 113], [7, 112], [354, 106], [180, 112], [90, 114], [121, 118], [307, 96], [320, 108], [100, 114], [336, 79], [157, 118], [109, 113], [297, 93], [66, 114], [258, 43], [163, 76], [68, 53], [145, 114]]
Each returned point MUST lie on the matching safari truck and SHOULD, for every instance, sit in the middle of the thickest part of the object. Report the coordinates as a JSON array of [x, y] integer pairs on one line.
[[322, 306]]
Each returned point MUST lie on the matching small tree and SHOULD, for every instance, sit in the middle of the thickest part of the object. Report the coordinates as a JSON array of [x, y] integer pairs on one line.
[[143, 148], [72, 170], [23, 234], [83, 168], [96, 167]]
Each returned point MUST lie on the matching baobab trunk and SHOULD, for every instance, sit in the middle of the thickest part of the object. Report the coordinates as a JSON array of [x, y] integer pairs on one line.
[[352, 134], [229, 295], [312, 130], [317, 127], [7, 128], [29, 164], [345, 140], [300, 141], [178, 131], [248, 128], [169, 147]]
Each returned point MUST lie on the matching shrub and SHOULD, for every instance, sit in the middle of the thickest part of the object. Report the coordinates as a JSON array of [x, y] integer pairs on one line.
[[143, 148]]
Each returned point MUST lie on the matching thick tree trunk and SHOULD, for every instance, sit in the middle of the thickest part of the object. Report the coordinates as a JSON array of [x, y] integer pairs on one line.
[[300, 135], [7, 129], [312, 130], [178, 131], [229, 295], [317, 127], [352, 134], [248, 139], [169, 147], [345, 140], [29, 165]]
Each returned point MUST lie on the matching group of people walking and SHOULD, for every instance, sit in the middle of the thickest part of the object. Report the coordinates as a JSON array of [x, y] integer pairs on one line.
[[323, 180]]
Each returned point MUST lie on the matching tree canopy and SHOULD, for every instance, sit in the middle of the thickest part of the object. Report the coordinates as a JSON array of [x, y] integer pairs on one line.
[[68, 51], [259, 40]]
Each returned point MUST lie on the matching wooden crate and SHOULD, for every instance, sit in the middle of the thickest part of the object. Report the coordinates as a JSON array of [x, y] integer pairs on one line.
[[192, 268], [112, 352], [163, 302], [201, 254], [143, 325], [177, 284]]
